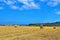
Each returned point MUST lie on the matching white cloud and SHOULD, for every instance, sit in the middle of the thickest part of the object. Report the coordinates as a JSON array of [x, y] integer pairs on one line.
[[52, 3], [29, 4], [9, 2], [43, 0], [23, 1], [14, 7], [1, 8], [57, 12]]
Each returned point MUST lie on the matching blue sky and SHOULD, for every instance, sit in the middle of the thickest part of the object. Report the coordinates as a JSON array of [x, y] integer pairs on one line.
[[29, 11]]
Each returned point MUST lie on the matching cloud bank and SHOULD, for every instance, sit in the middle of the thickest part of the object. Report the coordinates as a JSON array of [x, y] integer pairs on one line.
[[52, 3], [27, 4]]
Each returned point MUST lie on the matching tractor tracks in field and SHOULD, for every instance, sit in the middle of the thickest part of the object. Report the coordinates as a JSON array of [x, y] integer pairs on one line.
[[44, 36], [14, 36]]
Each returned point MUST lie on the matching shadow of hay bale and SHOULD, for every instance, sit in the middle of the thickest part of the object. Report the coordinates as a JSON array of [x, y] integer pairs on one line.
[[41, 27], [15, 26]]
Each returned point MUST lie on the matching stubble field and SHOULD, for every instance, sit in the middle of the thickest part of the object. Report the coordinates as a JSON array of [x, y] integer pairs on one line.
[[29, 33]]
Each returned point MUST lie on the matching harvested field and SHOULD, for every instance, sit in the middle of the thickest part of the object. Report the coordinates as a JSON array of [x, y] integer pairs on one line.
[[29, 33]]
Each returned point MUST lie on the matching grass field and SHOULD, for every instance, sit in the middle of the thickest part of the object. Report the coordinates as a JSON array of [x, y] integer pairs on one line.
[[29, 33]]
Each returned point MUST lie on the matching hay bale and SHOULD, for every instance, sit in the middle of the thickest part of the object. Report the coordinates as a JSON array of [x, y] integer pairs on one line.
[[54, 27], [41, 26], [15, 26]]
